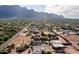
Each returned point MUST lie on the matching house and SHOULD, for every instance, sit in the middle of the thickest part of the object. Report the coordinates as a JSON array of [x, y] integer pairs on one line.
[[36, 43], [1, 28], [69, 32], [77, 28], [36, 50], [56, 44], [36, 37], [66, 31], [35, 31], [72, 33]]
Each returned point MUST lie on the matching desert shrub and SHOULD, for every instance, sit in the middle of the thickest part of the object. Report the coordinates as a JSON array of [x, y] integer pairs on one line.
[[49, 52], [12, 46], [26, 46], [22, 48], [43, 52]]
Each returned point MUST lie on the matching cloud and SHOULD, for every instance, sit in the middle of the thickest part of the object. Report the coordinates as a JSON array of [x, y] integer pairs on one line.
[[70, 11]]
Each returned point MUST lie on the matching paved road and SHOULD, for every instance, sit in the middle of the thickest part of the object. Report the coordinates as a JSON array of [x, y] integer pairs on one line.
[[7, 42]]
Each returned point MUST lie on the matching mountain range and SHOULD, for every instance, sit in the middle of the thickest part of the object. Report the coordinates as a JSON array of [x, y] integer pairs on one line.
[[9, 11]]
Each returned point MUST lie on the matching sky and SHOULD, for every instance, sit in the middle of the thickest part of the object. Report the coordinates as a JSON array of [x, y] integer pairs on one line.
[[68, 11]]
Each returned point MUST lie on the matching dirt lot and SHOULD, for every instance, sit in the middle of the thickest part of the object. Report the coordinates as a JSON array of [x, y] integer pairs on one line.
[[74, 48], [22, 39], [19, 40], [74, 39]]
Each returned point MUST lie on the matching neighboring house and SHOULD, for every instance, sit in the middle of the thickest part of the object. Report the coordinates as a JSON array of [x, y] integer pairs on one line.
[[36, 37], [36, 43], [72, 33], [56, 44], [36, 50], [69, 32], [35, 31]]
